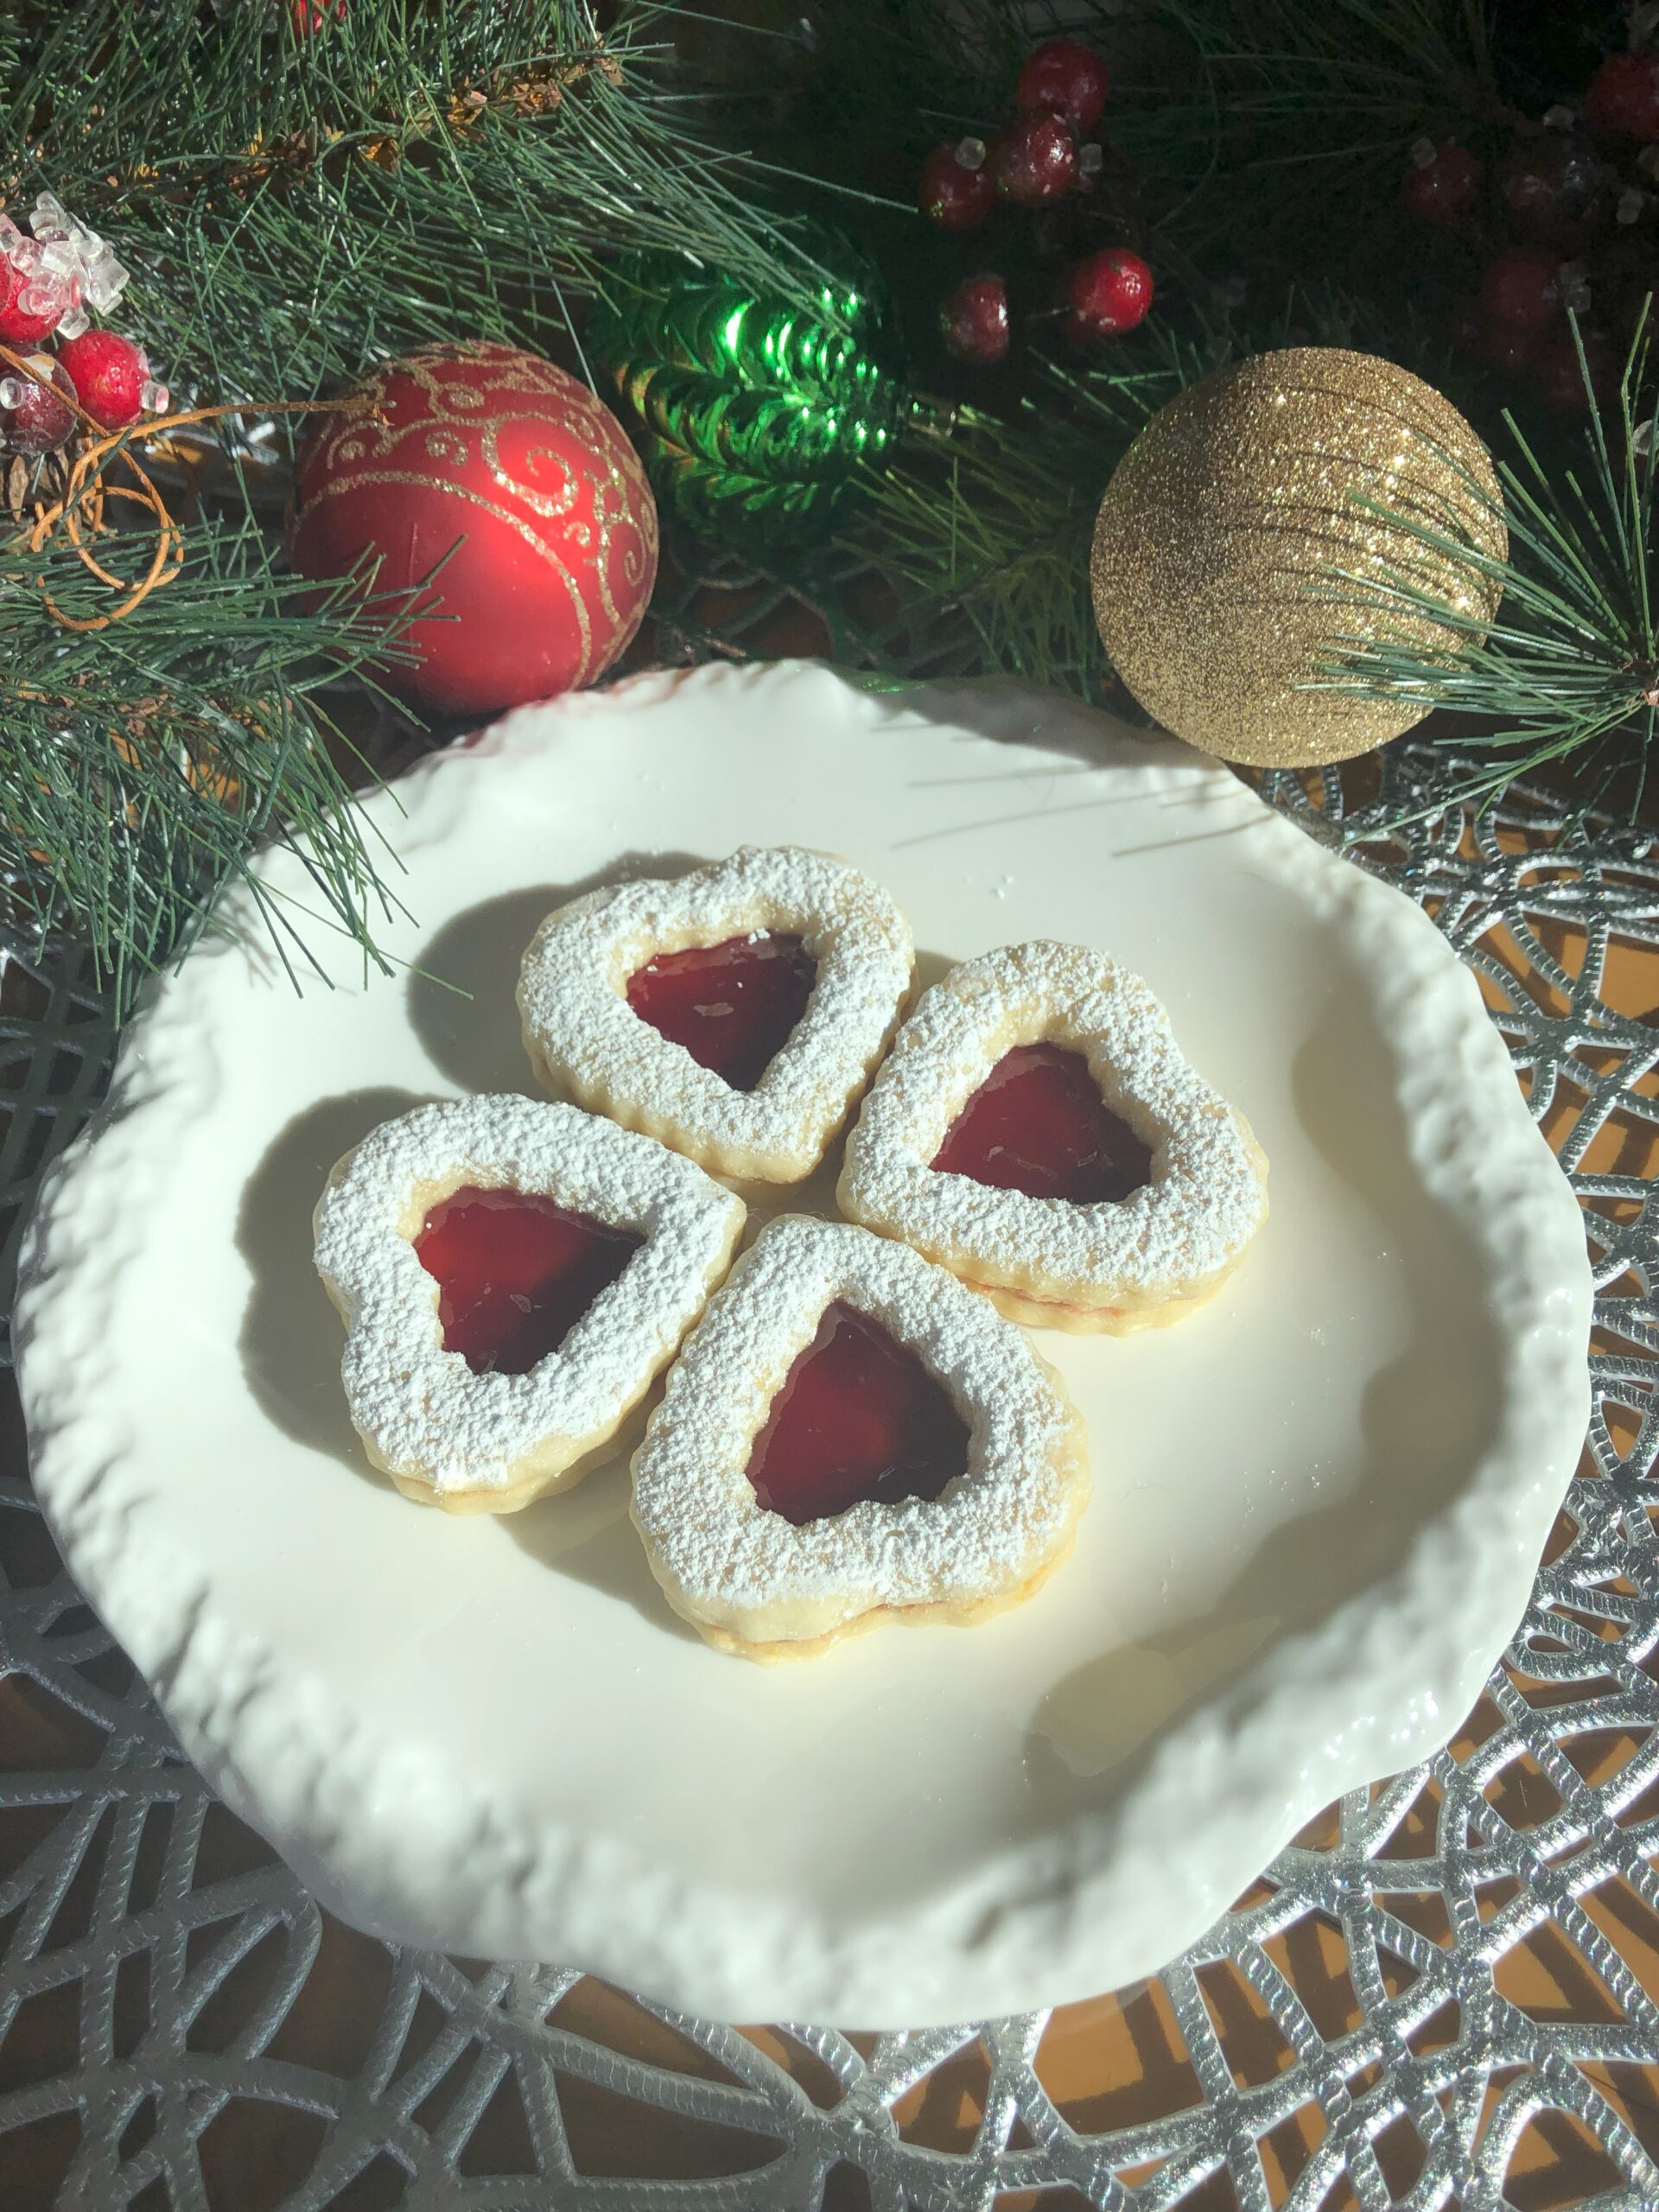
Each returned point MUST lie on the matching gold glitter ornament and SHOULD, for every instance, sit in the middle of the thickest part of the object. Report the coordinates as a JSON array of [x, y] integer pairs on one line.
[[1224, 521]]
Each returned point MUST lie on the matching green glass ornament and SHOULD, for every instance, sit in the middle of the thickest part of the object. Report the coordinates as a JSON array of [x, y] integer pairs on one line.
[[753, 413]]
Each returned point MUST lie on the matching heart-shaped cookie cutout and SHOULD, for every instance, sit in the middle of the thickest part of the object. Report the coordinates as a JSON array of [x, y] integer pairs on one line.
[[858, 1418], [733, 1006], [515, 1272], [1037, 1130], [513, 1276], [735, 1013], [849, 1437]]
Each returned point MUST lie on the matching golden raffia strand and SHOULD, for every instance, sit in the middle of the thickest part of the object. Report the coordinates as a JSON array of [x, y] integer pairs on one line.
[[81, 513], [1229, 512]]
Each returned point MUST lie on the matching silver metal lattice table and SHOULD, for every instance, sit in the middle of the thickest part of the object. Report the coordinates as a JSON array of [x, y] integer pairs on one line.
[[156, 1986]]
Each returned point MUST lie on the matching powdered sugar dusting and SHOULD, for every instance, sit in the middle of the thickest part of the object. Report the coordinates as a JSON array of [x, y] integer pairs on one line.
[[588, 1042], [419, 1409], [1172, 1239], [728, 1561]]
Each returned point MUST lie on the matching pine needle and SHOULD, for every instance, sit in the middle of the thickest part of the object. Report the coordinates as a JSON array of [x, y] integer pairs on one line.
[[1569, 670]]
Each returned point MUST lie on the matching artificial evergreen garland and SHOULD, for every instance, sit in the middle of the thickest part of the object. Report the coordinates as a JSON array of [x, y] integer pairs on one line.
[[301, 190], [298, 191]]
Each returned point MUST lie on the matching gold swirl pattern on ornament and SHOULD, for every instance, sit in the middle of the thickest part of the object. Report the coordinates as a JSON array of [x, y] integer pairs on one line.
[[515, 523], [507, 374], [607, 513]]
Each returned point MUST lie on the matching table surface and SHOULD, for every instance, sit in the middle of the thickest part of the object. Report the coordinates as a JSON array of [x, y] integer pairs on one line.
[[1443, 1993]]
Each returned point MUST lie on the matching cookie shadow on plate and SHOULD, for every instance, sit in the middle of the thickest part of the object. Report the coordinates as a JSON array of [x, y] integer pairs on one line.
[[1427, 1412], [586, 1535], [461, 994], [291, 1337]]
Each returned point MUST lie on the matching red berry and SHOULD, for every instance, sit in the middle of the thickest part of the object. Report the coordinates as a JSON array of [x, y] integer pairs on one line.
[[1062, 78], [1520, 290], [1107, 295], [20, 326], [1561, 379], [953, 195], [41, 418], [1035, 160], [109, 373], [1622, 98], [1440, 189], [974, 322]]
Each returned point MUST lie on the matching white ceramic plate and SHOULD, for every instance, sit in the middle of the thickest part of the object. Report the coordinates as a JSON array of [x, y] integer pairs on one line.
[[1316, 1505]]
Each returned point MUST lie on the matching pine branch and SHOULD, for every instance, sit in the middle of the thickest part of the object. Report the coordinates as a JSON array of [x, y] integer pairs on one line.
[[147, 762], [291, 206], [1569, 670], [295, 205], [982, 533]]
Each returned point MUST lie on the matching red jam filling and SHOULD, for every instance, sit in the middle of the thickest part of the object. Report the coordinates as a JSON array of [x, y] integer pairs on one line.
[[858, 1416], [516, 1273], [733, 1006], [1037, 1123]]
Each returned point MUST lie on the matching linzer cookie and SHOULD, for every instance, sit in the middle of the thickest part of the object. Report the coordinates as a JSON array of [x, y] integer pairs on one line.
[[513, 1276], [736, 1013], [850, 1439], [1036, 1131]]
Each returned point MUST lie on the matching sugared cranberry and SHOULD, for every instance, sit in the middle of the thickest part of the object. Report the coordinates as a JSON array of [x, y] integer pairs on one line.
[[1062, 78], [109, 373], [1622, 98], [1520, 290], [974, 322], [22, 326], [1107, 295], [1442, 186], [955, 193], [40, 418], [1035, 160]]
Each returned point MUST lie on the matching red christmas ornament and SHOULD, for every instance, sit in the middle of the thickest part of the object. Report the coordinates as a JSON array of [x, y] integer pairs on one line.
[[109, 373], [312, 16], [974, 322], [1622, 98], [1520, 290], [22, 326], [1107, 295], [953, 193], [515, 465], [1440, 184], [1062, 78], [35, 417], [1035, 160]]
